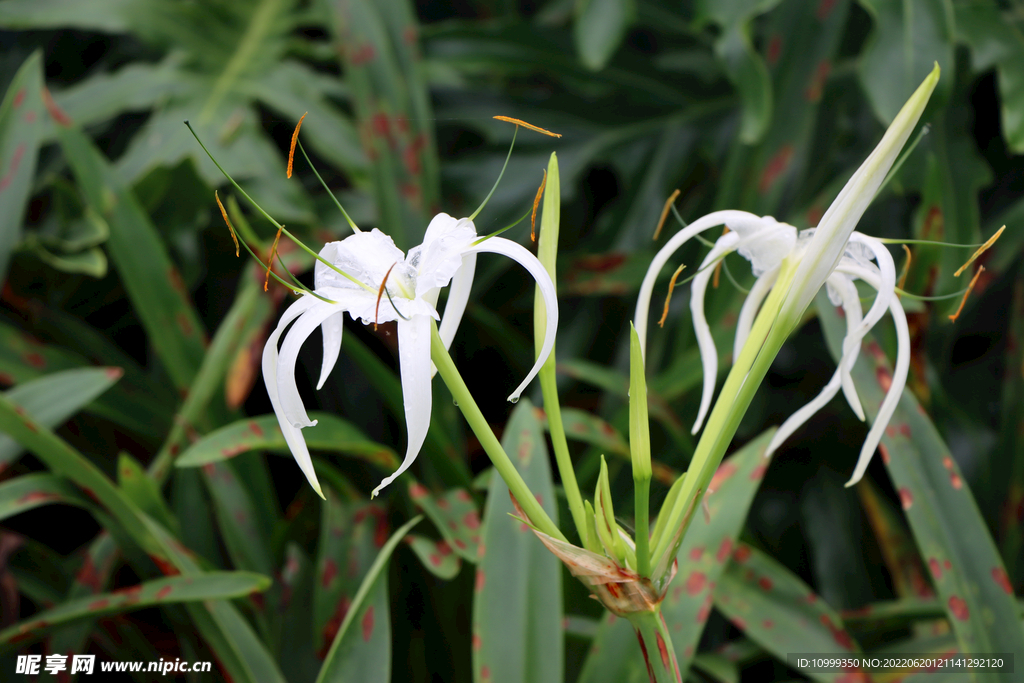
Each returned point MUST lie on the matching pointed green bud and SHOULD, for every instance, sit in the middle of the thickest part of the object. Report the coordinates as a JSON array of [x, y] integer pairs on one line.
[[639, 429]]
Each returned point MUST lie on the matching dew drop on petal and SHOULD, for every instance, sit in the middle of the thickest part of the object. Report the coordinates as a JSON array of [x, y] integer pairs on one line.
[[513, 399]]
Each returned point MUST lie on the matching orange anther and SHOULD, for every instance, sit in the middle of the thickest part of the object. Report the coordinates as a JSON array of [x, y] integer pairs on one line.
[[664, 213], [524, 124], [380, 293], [970, 287], [718, 266], [226, 220], [295, 139], [668, 298], [273, 254], [906, 268], [981, 250], [536, 203]]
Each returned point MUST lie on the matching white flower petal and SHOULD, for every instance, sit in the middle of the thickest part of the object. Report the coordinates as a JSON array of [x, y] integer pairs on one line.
[[851, 304], [331, 329], [843, 286], [292, 435], [458, 297], [750, 307], [414, 364], [516, 252], [711, 220], [899, 374], [705, 342], [440, 256], [316, 314], [887, 273], [366, 256]]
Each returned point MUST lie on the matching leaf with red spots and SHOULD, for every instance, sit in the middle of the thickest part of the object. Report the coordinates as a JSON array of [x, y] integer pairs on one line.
[[32, 490], [517, 607], [348, 544], [944, 519], [1008, 498], [614, 273], [361, 650], [455, 515], [54, 398], [21, 126], [331, 433], [197, 587], [583, 426], [141, 259], [775, 611], [436, 556]]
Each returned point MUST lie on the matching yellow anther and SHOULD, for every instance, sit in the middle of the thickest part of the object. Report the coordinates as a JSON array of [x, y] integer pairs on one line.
[[524, 124], [536, 203], [228, 221], [981, 250], [671, 286], [295, 139], [906, 267], [664, 213], [718, 266], [970, 287]]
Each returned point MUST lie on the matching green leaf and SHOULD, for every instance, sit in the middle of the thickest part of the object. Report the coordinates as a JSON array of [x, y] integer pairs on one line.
[[708, 545], [100, 15], [455, 515], [436, 556], [98, 564], [778, 610], [192, 588], [996, 40], [32, 490], [331, 433], [748, 72], [1007, 460], [599, 29], [363, 652], [91, 262], [245, 538], [55, 398], [908, 38], [588, 428], [967, 571], [151, 280], [351, 534], [21, 124], [142, 490], [517, 607]]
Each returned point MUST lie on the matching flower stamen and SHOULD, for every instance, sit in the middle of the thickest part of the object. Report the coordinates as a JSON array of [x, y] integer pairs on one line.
[[668, 298], [295, 138], [981, 250], [664, 213], [718, 268], [273, 255], [906, 268], [231, 228], [380, 293], [970, 287], [524, 124], [536, 203]]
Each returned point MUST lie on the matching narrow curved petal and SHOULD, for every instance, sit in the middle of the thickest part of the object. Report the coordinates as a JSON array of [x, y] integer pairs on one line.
[[414, 364], [516, 252], [458, 297], [887, 273], [751, 305], [643, 302], [292, 406], [332, 329], [899, 374], [292, 435], [851, 342], [705, 342], [851, 305], [440, 256]]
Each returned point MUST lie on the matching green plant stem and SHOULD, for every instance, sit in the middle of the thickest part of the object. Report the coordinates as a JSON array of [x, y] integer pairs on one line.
[[641, 498], [460, 392], [656, 644], [547, 254]]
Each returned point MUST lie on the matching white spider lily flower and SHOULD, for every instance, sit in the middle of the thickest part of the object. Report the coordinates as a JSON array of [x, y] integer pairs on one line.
[[394, 286], [832, 255]]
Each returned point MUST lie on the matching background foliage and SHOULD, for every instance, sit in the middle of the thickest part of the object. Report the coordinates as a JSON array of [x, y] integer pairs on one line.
[[130, 336]]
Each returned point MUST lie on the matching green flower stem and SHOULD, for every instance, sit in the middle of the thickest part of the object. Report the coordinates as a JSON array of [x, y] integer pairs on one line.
[[766, 338], [547, 252], [640, 453], [460, 392], [656, 644]]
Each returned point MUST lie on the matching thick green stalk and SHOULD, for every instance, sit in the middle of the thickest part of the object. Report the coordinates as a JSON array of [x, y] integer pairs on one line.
[[640, 452], [547, 252], [460, 392], [656, 645], [766, 338]]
